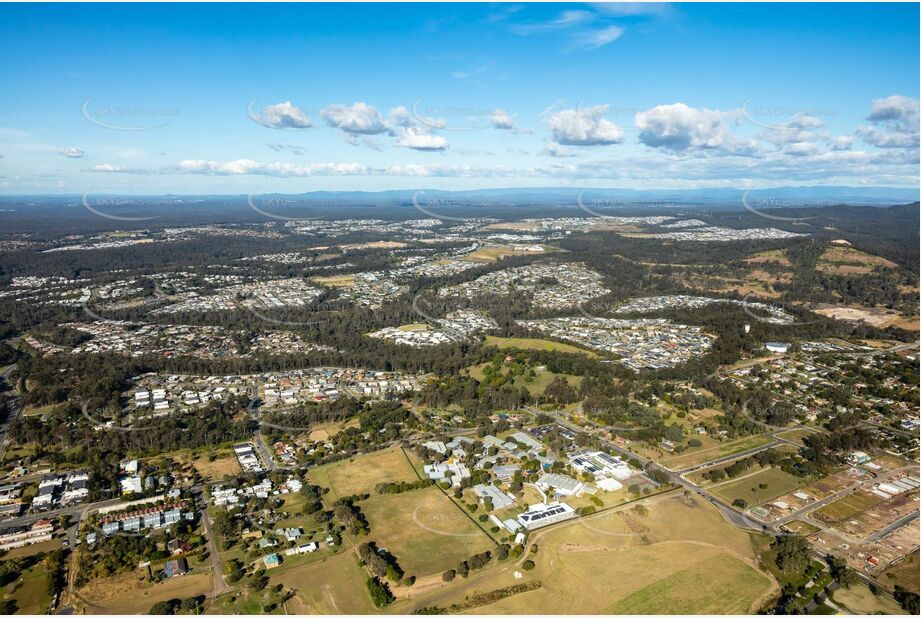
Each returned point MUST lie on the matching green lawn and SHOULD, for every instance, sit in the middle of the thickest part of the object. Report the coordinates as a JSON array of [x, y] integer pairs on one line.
[[692, 457], [30, 592], [536, 344], [722, 584], [776, 481]]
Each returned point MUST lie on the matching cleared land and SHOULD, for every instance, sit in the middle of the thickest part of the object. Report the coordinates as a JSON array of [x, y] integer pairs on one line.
[[849, 261], [683, 559], [846, 507], [776, 483], [335, 585], [860, 600], [336, 281], [692, 457], [30, 591], [904, 574], [128, 594], [361, 473], [426, 531], [795, 435], [536, 344]]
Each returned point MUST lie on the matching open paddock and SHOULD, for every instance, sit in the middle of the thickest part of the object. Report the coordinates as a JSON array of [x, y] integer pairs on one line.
[[424, 529], [703, 454], [775, 483], [359, 474]]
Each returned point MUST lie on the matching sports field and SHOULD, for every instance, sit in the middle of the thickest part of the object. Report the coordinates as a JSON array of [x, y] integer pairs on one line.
[[775, 483], [359, 474], [424, 529], [692, 457], [536, 344]]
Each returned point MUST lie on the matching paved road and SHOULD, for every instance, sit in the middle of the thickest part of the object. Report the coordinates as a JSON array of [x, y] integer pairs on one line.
[[219, 586], [876, 536]]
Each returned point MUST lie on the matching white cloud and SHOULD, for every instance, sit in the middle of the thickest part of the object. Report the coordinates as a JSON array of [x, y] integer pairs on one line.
[[584, 127], [359, 118], [555, 150], [593, 39], [680, 127], [108, 167], [566, 19], [633, 8], [894, 123], [248, 166], [72, 153], [843, 142], [411, 137], [501, 119], [284, 115]]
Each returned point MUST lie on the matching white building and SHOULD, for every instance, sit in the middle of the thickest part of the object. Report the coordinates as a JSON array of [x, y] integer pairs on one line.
[[541, 515]]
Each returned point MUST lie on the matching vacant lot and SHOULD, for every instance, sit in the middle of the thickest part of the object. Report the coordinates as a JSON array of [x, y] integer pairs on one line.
[[683, 559], [776, 482], [336, 281], [860, 600], [30, 592], [361, 473], [692, 457], [127, 594], [795, 435], [846, 507], [536, 344], [904, 574], [424, 529], [335, 585]]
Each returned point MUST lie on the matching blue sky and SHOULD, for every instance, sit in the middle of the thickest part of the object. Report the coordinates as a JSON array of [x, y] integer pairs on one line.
[[293, 98]]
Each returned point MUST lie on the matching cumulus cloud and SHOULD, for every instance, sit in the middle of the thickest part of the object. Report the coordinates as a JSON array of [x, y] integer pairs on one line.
[[359, 118], [555, 150], [843, 142], [501, 119], [584, 127], [284, 115], [680, 127], [108, 167], [894, 123], [411, 137], [72, 153]]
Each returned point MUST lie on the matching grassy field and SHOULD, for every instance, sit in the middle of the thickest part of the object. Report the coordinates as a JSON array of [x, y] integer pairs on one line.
[[536, 344], [749, 488], [801, 527], [30, 592], [127, 594], [680, 557], [795, 435], [324, 431], [335, 585], [538, 383], [860, 600], [692, 457], [426, 531], [847, 507], [336, 281], [361, 473]]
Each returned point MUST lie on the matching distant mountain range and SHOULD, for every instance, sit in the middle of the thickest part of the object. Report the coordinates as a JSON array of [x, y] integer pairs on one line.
[[728, 198]]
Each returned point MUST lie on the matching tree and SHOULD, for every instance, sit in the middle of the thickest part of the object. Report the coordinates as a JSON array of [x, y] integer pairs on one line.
[[907, 599], [791, 553], [527, 565], [380, 592], [448, 575]]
